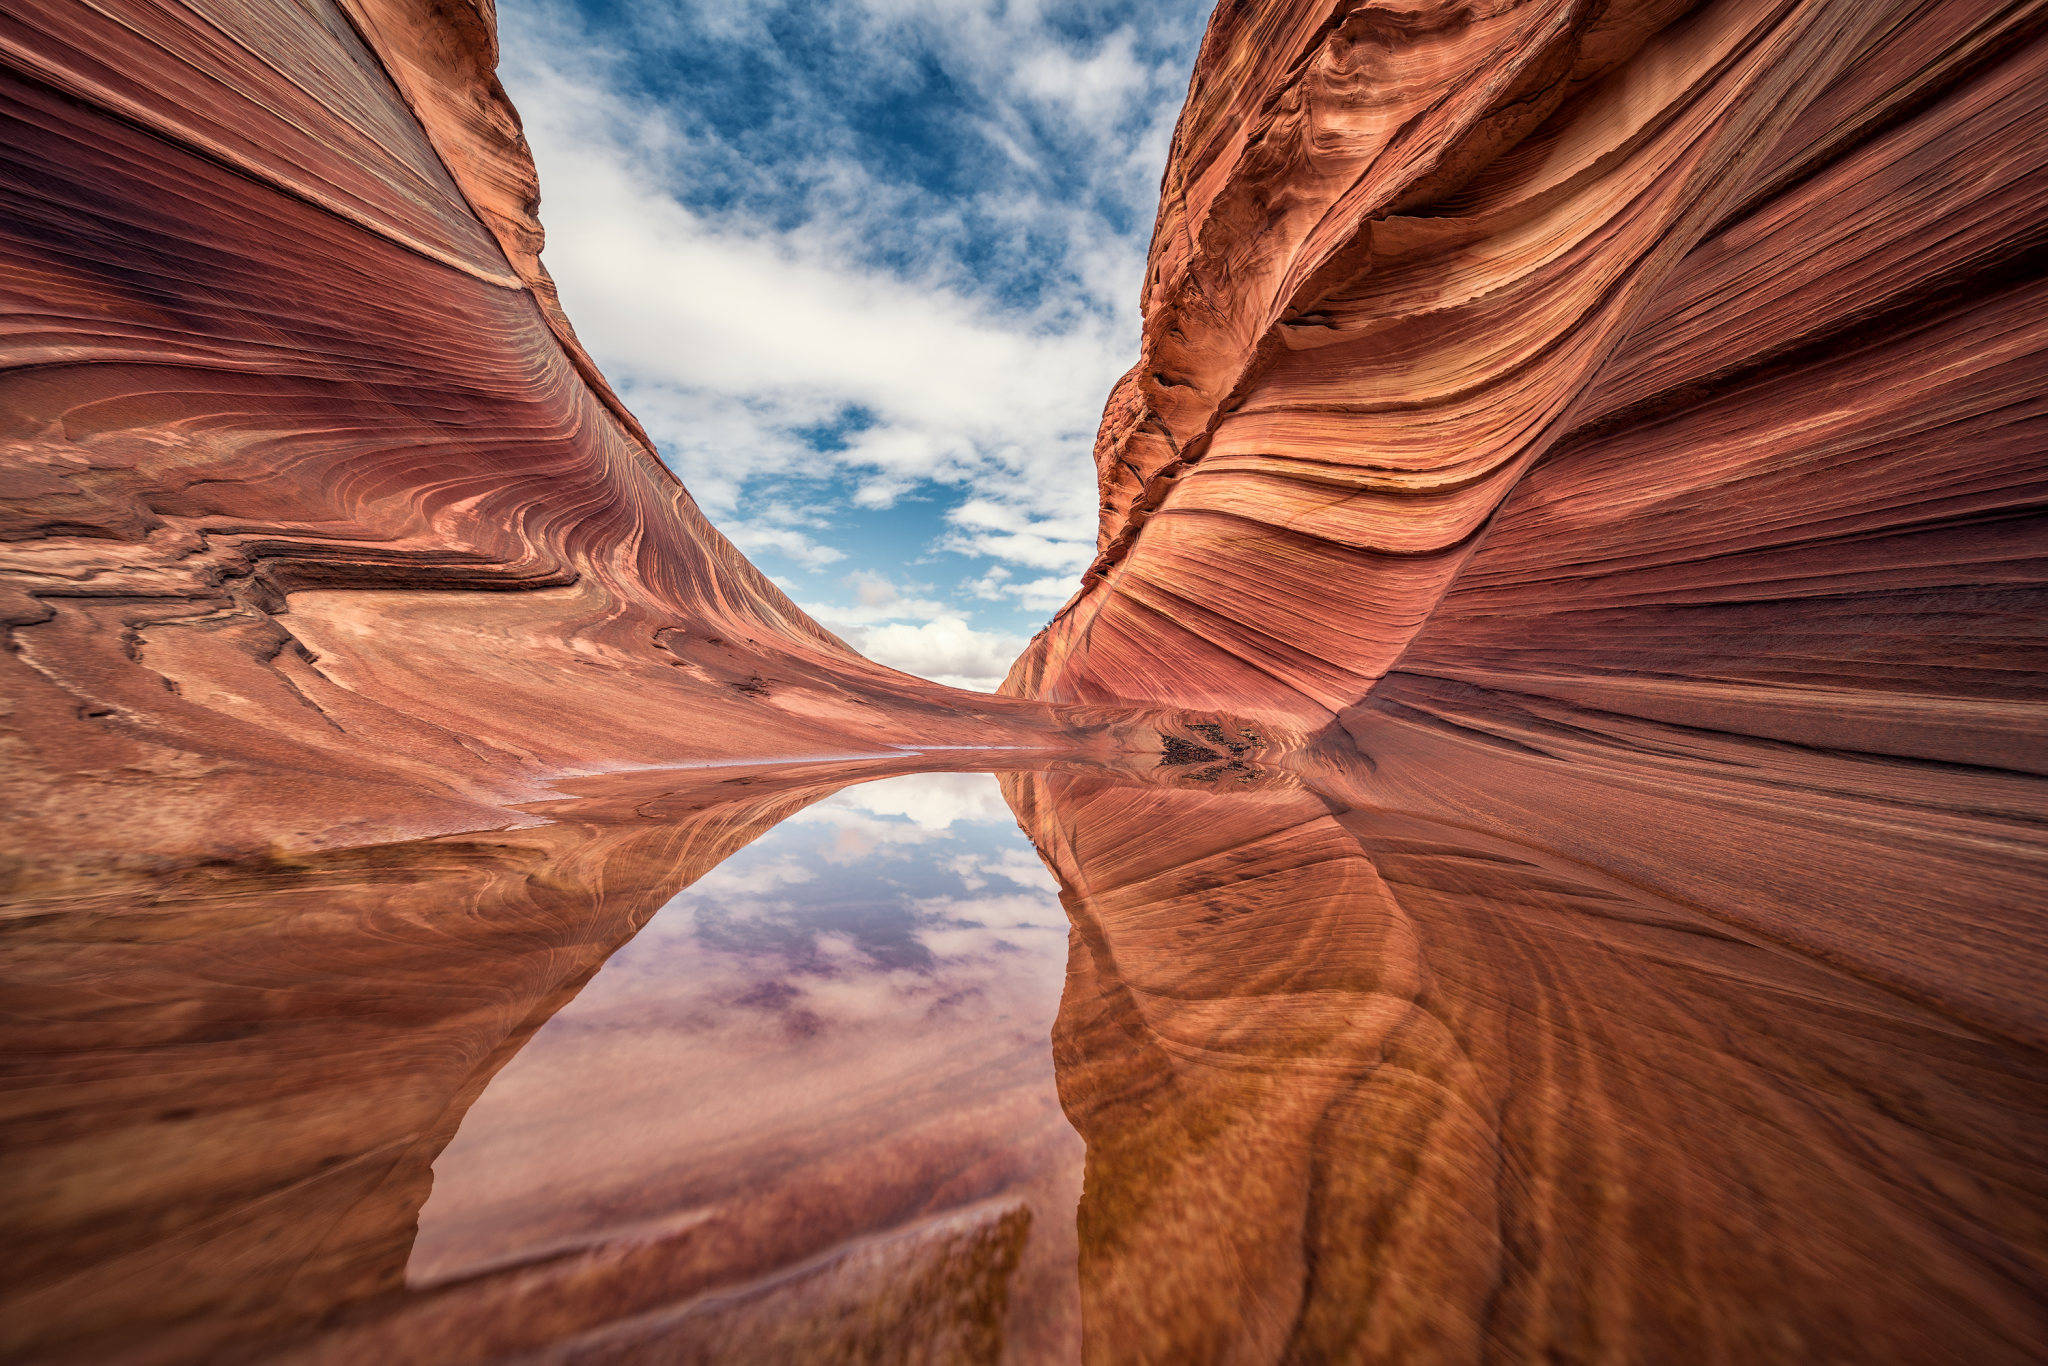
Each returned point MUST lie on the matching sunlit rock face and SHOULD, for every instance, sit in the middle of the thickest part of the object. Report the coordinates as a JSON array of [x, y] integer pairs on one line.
[[1611, 435], [1677, 362], [312, 504]]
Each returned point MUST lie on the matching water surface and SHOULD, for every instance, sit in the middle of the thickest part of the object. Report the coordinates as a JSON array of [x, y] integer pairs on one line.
[[1211, 1055], [860, 998]]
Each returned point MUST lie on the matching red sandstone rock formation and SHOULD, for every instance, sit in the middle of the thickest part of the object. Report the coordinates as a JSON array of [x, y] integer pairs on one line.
[[1613, 429], [1615, 433], [1680, 361], [318, 524], [1625, 427]]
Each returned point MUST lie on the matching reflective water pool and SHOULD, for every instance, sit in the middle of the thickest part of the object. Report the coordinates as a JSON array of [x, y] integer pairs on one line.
[[853, 1008], [1202, 1058]]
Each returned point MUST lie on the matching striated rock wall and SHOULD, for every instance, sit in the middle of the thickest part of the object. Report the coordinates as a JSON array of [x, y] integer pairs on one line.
[[1651, 465], [316, 525], [1681, 362], [1614, 437]]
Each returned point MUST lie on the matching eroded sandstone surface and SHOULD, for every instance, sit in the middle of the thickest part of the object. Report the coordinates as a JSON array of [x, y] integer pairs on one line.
[[319, 525], [1678, 362], [1615, 433], [1544, 775]]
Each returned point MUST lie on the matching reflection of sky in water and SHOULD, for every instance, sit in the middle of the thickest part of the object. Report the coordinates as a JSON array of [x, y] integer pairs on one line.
[[887, 959], [889, 876]]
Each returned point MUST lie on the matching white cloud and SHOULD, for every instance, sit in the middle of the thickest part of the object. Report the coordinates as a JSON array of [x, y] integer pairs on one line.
[[785, 540], [793, 321], [1026, 548], [984, 526], [934, 801], [1036, 595], [873, 590], [945, 647], [878, 599], [987, 682], [1088, 89], [732, 339], [1043, 595]]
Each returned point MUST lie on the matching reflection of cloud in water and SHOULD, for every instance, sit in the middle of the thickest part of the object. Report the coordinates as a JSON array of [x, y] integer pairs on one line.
[[920, 809], [906, 856], [730, 880], [1017, 866], [934, 801], [1003, 910], [800, 937], [897, 945]]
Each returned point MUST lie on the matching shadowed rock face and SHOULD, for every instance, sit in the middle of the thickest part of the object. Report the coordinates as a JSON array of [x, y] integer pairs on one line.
[[315, 516]]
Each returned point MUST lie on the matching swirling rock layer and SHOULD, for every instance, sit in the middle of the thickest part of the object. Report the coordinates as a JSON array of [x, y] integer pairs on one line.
[[315, 516], [1689, 357], [1613, 434], [1622, 427]]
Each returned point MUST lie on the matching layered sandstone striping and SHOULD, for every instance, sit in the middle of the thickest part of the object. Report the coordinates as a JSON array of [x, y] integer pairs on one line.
[[1687, 354], [1626, 428], [317, 525], [1615, 435]]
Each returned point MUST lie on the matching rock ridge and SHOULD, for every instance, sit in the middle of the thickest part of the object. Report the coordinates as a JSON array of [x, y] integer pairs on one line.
[[314, 504], [1401, 263]]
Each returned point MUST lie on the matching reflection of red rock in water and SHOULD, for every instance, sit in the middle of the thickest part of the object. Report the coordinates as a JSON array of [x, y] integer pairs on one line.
[[290, 1049], [1358, 1086], [312, 505], [222, 1123]]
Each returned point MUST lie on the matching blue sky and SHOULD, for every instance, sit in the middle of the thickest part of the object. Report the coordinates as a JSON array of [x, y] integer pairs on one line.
[[866, 270]]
